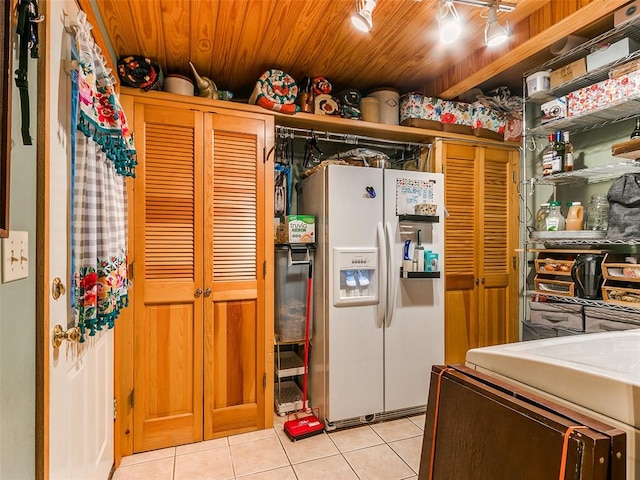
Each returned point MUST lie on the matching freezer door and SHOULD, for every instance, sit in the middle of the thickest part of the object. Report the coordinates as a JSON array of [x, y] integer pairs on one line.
[[414, 327], [355, 334]]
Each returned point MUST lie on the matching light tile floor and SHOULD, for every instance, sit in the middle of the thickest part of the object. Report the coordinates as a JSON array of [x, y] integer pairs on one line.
[[381, 451]]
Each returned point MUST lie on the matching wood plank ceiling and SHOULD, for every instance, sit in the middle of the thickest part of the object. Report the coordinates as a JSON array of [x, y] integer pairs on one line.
[[235, 41]]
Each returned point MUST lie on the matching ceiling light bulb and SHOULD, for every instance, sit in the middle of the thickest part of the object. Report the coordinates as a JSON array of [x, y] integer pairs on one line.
[[448, 22], [494, 33], [362, 19]]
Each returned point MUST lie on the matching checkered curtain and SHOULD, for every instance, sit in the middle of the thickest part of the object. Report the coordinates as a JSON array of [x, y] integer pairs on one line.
[[102, 156]]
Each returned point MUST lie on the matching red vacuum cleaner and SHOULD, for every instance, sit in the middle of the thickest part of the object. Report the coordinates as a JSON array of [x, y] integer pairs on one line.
[[305, 424]]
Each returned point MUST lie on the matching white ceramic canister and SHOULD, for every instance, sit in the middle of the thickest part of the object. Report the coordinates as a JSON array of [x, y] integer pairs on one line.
[[389, 100], [179, 84], [370, 109]]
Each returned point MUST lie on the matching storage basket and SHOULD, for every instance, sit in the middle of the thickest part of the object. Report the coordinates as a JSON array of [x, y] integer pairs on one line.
[[619, 267], [554, 263], [622, 294], [532, 331], [554, 287], [599, 319], [554, 314]]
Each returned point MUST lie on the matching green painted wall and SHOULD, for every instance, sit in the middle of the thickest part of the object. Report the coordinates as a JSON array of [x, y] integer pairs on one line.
[[18, 311]]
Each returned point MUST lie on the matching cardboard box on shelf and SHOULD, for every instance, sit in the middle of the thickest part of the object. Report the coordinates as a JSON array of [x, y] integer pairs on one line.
[[554, 110], [610, 53], [629, 12], [625, 69], [568, 72], [300, 229]]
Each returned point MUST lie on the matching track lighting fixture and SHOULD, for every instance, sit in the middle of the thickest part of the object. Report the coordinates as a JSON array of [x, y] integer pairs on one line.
[[494, 33], [362, 18], [450, 26], [448, 22]]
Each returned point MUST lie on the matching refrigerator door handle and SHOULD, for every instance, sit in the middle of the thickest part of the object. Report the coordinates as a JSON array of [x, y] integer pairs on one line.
[[382, 275], [392, 281]]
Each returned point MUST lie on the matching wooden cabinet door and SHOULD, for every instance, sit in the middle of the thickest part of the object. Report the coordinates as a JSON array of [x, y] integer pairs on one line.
[[480, 240], [239, 235], [461, 249], [498, 240], [168, 240]]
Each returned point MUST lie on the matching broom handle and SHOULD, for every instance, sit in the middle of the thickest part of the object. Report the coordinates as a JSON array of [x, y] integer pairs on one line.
[[306, 340]]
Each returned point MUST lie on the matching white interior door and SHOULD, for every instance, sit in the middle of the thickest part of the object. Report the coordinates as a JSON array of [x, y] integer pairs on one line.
[[81, 442]]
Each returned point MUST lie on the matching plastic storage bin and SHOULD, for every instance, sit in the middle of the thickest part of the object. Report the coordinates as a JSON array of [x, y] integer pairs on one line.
[[290, 296], [539, 82]]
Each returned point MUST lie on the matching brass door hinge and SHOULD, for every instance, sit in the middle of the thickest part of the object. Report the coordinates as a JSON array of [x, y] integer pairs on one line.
[[264, 381], [115, 408]]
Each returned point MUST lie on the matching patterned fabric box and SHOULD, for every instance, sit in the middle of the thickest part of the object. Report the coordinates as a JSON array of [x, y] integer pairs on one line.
[[420, 111], [456, 116], [486, 121], [603, 94]]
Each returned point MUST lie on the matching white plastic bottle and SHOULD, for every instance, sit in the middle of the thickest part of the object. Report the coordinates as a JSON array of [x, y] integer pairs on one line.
[[555, 220]]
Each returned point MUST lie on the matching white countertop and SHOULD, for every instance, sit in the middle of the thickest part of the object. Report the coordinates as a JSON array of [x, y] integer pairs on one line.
[[599, 371]]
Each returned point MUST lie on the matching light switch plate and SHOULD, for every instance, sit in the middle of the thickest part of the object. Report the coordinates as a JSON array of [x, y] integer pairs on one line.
[[15, 256]]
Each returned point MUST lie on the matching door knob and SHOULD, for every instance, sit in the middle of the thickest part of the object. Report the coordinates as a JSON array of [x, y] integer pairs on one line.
[[197, 293], [477, 282], [59, 334], [207, 292]]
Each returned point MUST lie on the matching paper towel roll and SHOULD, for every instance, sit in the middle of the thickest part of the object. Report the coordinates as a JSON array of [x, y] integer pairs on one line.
[[567, 43]]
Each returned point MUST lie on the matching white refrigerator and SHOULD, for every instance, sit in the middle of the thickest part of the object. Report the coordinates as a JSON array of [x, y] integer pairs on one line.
[[375, 334]]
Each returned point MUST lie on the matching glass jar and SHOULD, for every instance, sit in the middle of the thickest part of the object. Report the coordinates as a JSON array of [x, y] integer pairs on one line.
[[541, 216], [597, 213]]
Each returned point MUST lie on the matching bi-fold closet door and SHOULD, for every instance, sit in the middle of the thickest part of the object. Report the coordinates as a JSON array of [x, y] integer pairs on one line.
[[481, 242], [200, 243]]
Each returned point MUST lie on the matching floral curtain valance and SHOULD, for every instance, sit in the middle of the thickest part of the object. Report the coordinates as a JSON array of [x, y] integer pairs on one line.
[[103, 154]]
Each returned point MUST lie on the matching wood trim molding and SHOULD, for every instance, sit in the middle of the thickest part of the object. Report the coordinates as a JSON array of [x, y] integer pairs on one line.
[[553, 22], [42, 252]]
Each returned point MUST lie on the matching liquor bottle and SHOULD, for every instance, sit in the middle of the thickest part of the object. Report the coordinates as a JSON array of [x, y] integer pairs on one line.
[[547, 156], [557, 159], [636, 131], [568, 153]]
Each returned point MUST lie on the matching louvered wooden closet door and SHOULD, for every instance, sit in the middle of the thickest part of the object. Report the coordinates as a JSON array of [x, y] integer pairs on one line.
[[461, 265], [168, 223], [498, 294], [234, 392]]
